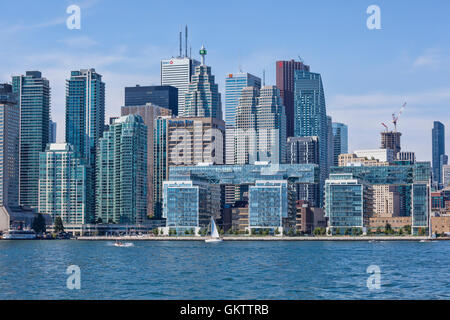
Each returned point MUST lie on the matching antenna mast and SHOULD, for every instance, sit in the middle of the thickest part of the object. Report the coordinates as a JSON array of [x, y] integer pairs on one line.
[[186, 44], [181, 44]]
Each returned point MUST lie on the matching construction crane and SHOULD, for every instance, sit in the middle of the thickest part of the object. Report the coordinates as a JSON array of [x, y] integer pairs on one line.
[[396, 116], [384, 125]]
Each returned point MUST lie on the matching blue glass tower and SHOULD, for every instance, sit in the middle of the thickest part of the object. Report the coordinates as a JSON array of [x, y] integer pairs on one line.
[[33, 92], [439, 158], [340, 141]]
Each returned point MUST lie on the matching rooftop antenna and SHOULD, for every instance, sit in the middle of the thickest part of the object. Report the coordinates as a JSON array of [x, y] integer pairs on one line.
[[186, 44], [300, 59], [203, 54], [181, 44], [190, 51]]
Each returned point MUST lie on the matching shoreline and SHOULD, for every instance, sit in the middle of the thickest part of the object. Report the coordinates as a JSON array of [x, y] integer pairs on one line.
[[248, 238]]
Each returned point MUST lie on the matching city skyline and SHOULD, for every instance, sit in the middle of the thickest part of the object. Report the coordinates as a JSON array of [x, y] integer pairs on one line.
[[357, 90]]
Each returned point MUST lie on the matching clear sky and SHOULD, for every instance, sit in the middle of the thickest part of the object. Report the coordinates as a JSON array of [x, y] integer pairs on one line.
[[367, 74]]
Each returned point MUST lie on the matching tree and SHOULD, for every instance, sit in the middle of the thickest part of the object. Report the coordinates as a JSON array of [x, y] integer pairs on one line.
[[59, 226], [337, 231], [156, 231], [407, 229], [38, 224], [277, 231]]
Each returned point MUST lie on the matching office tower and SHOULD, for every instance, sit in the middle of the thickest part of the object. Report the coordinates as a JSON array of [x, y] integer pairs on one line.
[[64, 181], [149, 112], [330, 142], [285, 82], [9, 147], [310, 113], [234, 84], [203, 97], [121, 195], [260, 133], [85, 112], [438, 146], [391, 140], [162, 96], [160, 161], [446, 176], [52, 131], [33, 92], [178, 72], [340, 141], [304, 150], [382, 155], [406, 156]]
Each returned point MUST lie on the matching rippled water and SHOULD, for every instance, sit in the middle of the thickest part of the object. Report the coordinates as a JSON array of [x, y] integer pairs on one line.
[[228, 270]]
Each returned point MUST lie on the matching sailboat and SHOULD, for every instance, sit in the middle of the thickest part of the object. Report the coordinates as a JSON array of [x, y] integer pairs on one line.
[[214, 233]]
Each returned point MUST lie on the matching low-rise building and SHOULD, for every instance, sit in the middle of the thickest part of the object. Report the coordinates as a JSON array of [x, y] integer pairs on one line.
[[396, 223], [440, 224]]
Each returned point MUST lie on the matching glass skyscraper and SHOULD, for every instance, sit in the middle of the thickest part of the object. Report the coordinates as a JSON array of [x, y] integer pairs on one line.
[[310, 113], [161, 96], [438, 146], [340, 141], [121, 189], [33, 92], [64, 185]]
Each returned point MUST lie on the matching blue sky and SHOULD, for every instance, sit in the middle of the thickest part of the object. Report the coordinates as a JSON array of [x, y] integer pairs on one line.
[[367, 74]]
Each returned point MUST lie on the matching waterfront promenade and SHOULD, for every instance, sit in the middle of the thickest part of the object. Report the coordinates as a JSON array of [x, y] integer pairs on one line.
[[257, 238]]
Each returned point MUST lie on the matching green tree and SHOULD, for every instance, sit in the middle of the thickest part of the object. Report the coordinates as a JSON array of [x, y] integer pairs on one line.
[[59, 226], [38, 224], [156, 232], [407, 229], [337, 231], [378, 230]]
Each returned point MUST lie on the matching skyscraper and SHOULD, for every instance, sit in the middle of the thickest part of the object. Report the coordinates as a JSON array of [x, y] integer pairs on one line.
[[340, 141], [33, 92], [85, 112], [391, 140], [234, 84], [438, 146], [52, 131], [149, 113], [203, 97], [121, 195], [162, 96], [285, 82], [310, 114], [9, 146], [64, 185], [177, 72], [330, 143]]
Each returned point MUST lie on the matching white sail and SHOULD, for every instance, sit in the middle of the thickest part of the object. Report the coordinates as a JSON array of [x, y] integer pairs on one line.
[[214, 232]]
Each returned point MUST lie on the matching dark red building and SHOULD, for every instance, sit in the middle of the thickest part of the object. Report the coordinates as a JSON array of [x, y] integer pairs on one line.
[[285, 83]]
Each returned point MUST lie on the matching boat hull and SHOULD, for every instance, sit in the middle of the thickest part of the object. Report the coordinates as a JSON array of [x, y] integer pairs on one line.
[[213, 240]]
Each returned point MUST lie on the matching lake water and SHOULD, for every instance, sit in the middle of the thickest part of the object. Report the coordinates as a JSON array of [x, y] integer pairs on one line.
[[228, 270]]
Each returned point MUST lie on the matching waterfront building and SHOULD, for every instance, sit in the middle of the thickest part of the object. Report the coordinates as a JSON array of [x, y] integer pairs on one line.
[[382, 155], [396, 223], [440, 224], [149, 113], [64, 185], [305, 150], [121, 195], [391, 140], [308, 218], [411, 182], [438, 146], [9, 146], [203, 97], [33, 92], [446, 176], [340, 141], [310, 114], [269, 206], [161, 96], [234, 84], [85, 112], [178, 72], [285, 81]]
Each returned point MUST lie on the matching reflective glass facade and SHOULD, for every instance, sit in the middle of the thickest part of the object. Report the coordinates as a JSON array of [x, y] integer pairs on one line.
[[268, 204], [162, 96]]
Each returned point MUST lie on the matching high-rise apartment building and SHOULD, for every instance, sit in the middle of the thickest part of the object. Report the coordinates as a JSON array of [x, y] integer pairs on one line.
[[286, 83], [162, 96], [203, 97], [340, 141], [330, 142], [33, 93], [85, 112], [149, 113], [234, 83], [52, 131], [391, 140], [438, 149], [64, 185], [178, 72], [121, 195], [446, 176], [9, 147], [310, 113]]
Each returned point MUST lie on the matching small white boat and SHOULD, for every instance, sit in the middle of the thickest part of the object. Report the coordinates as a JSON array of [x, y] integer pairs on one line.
[[123, 244], [215, 237], [19, 235]]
